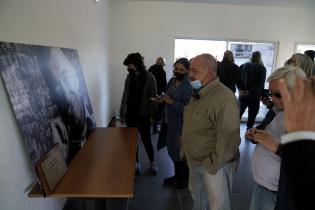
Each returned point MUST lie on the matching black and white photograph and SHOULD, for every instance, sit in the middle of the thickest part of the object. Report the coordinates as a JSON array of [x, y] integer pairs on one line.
[[49, 97]]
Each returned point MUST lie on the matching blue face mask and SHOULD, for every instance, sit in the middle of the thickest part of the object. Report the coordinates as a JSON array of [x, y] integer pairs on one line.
[[196, 84]]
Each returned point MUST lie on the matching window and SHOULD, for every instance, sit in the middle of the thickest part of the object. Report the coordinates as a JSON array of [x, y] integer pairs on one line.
[[190, 48], [242, 51], [302, 47]]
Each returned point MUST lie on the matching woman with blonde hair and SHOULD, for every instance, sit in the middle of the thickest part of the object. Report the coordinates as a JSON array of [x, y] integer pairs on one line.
[[303, 62]]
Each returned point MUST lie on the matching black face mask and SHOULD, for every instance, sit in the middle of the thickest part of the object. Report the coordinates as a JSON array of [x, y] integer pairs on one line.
[[131, 70], [179, 76]]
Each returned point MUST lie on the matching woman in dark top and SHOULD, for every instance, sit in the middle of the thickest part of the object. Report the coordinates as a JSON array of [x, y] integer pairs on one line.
[[137, 109], [177, 95]]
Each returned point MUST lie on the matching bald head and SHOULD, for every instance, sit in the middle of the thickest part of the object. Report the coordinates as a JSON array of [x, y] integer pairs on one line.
[[160, 61], [204, 68], [209, 61]]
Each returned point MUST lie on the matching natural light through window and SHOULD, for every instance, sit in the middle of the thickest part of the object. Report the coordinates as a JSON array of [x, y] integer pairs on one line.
[[301, 48], [242, 51], [190, 48]]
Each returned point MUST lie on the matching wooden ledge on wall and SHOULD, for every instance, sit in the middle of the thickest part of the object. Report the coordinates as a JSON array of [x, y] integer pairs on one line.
[[103, 168]]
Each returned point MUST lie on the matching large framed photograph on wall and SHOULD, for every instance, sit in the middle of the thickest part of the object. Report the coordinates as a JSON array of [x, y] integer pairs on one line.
[[49, 97]]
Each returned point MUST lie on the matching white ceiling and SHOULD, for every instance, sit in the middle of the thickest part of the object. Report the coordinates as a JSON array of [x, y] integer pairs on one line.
[[282, 3]]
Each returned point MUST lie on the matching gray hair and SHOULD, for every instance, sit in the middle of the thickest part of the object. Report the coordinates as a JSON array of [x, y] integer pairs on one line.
[[305, 63], [288, 73]]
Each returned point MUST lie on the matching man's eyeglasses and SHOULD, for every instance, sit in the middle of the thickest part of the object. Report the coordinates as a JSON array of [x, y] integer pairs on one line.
[[275, 94]]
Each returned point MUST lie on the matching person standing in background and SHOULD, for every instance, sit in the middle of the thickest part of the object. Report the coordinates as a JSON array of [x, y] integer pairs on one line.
[[160, 78], [137, 109], [159, 74], [228, 71], [310, 53], [251, 85]]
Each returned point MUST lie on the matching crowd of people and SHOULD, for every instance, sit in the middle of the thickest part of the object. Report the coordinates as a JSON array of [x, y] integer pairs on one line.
[[199, 116]]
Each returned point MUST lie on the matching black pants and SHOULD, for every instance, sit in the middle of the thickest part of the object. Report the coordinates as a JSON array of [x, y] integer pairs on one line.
[[253, 108], [268, 118], [144, 126], [181, 170], [158, 116]]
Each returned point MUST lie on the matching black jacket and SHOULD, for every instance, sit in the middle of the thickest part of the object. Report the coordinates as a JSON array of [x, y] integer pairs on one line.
[[228, 73], [253, 78], [299, 164], [160, 78], [147, 106]]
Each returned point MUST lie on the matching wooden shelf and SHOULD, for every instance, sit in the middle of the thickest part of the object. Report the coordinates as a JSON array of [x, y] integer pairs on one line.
[[103, 168]]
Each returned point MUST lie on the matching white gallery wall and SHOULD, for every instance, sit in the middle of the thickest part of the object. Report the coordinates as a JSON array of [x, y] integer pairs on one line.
[[79, 24], [150, 28], [104, 33]]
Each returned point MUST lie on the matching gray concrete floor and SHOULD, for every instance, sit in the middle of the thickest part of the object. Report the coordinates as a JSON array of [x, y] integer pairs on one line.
[[151, 194]]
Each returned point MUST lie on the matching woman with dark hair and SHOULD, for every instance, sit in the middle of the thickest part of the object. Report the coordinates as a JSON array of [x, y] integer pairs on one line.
[[178, 93], [137, 109], [310, 54]]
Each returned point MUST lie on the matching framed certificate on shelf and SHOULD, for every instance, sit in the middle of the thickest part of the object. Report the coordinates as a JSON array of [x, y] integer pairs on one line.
[[50, 169]]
